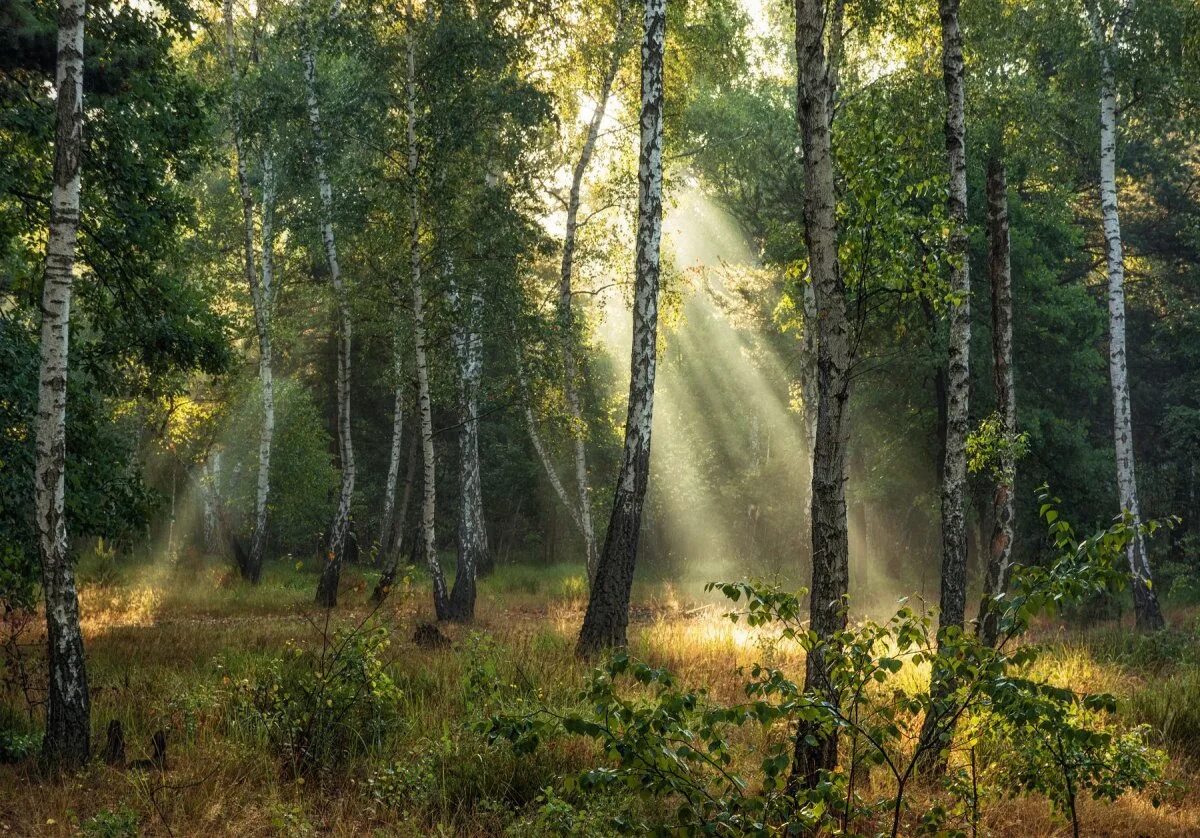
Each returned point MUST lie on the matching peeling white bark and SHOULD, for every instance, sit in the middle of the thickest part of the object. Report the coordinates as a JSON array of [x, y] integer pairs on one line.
[[607, 616], [393, 470], [1148, 613], [68, 709]]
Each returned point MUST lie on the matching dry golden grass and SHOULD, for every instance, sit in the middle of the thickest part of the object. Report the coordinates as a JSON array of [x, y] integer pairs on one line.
[[161, 648]]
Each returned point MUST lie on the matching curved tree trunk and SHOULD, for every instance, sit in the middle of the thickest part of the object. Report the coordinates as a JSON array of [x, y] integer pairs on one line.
[[392, 557], [1145, 601], [386, 528], [607, 617], [67, 740], [327, 588], [1000, 279], [566, 316], [815, 750], [952, 608]]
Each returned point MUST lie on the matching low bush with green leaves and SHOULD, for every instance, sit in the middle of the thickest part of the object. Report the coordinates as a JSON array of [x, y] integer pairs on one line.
[[677, 745]]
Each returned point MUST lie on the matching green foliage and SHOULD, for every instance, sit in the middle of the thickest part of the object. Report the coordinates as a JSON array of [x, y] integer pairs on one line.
[[303, 480], [989, 448], [670, 743], [111, 823], [317, 709]]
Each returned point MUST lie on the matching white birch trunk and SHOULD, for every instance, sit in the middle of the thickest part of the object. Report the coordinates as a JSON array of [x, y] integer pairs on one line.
[[210, 488], [1147, 611], [566, 316], [814, 750], [261, 291], [327, 588], [472, 534], [607, 617], [441, 599], [936, 730], [68, 709], [393, 470]]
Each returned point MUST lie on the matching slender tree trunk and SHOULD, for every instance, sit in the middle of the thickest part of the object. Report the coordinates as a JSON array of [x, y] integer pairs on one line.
[[1003, 511], [816, 750], [607, 617], [263, 305], [811, 397], [556, 483], [68, 709], [566, 316], [441, 599], [472, 534], [953, 602], [260, 297], [1145, 601], [210, 483], [392, 561], [393, 472], [327, 588]]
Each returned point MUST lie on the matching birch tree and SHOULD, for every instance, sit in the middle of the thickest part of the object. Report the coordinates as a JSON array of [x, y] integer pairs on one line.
[[327, 587], [1108, 39], [441, 599], [1003, 508], [816, 750], [67, 739], [472, 535], [607, 617], [953, 600], [261, 295], [386, 518], [581, 509]]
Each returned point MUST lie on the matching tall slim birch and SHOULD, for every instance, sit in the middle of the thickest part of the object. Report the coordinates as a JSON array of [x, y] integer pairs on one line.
[[1108, 41], [607, 617], [953, 600], [566, 314], [327, 588], [814, 750], [441, 598], [67, 740], [261, 295]]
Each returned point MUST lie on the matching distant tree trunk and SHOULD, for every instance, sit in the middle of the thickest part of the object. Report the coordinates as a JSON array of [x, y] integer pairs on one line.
[[809, 394], [472, 535], [441, 599], [327, 588], [814, 750], [67, 740], [566, 316], [263, 305], [261, 296], [210, 488], [1145, 601], [607, 617], [392, 557], [556, 483], [386, 528], [1000, 278], [953, 602]]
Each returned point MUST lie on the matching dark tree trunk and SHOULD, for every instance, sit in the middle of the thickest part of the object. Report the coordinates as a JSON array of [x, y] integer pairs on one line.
[[396, 543], [1000, 278], [816, 750], [607, 617]]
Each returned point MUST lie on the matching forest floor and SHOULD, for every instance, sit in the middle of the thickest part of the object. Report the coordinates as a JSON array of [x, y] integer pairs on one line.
[[187, 649]]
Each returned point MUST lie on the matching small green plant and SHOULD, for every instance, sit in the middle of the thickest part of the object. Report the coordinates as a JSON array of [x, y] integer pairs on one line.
[[110, 823], [989, 448], [671, 743], [318, 708]]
